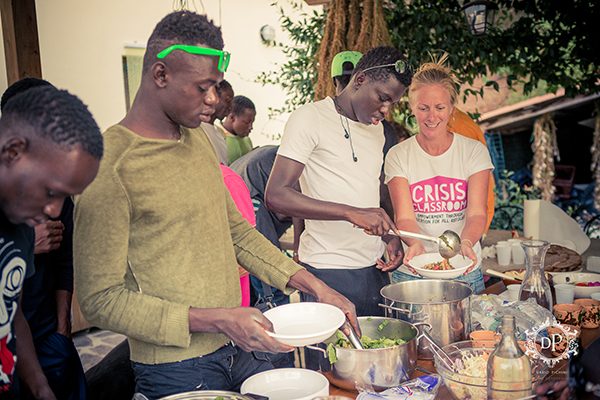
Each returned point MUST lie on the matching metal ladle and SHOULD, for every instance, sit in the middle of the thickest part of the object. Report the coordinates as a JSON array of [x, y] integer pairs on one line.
[[448, 242]]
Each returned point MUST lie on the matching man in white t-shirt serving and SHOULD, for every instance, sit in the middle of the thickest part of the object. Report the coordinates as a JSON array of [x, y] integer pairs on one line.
[[333, 147]]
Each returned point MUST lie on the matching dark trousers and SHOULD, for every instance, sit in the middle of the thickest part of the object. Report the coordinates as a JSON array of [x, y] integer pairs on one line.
[[361, 286], [224, 369], [258, 292], [60, 362], [274, 297]]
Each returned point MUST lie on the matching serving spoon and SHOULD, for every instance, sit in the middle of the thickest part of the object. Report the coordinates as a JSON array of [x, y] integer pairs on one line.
[[448, 242], [353, 337]]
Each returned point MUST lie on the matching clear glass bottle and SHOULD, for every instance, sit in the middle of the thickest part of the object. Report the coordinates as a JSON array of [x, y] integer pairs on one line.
[[508, 368], [535, 285]]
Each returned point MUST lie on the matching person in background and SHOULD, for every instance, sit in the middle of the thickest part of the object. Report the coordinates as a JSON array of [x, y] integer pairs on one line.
[[342, 65], [50, 149], [222, 109], [241, 197], [438, 180], [169, 236], [254, 168], [462, 124], [237, 126], [46, 298]]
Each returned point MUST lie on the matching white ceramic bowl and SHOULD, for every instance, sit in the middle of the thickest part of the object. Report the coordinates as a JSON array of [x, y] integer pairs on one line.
[[460, 264], [595, 296], [287, 384], [576, 277], [302, 324]]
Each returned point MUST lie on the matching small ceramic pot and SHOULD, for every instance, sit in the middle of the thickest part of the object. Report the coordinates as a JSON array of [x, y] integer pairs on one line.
[[560, 346], [590, 314], [568, 313], [483, 338]]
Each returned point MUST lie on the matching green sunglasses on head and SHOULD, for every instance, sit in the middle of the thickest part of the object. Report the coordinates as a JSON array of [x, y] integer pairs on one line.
[[205, 51], [401, 66]]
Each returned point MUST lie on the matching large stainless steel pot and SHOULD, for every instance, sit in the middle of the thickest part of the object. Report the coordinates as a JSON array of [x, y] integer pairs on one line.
[[442, 304], [379, 368]]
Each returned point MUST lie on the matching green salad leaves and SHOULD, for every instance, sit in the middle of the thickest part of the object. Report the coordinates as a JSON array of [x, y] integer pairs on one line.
[[366, 341]]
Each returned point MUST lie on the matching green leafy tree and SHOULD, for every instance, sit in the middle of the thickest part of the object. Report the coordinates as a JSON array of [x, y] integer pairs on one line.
[[538, 45], [552, 43]]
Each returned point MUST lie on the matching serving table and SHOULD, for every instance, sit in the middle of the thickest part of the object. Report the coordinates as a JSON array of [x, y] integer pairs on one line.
[[557, 373], [494, 236]]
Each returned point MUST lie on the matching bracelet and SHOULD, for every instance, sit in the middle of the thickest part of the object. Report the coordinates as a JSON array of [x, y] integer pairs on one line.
[[467, 242]]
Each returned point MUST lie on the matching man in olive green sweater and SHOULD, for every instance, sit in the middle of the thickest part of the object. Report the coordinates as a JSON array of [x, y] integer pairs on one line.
[[157, 235]]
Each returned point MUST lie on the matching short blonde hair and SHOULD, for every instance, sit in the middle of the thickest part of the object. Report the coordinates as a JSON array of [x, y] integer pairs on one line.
[[435, 72]]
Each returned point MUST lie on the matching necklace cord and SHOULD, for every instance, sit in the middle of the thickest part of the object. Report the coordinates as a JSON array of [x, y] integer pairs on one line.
[[348, 136], [346, 128]]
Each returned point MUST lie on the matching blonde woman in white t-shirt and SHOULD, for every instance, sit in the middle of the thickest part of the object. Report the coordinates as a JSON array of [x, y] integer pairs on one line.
[[438, 180]]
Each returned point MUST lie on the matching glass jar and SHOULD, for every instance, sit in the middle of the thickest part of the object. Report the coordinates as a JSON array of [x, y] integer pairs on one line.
[[535, 285]]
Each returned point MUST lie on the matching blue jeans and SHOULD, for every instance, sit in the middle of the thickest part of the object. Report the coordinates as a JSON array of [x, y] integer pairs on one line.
[[473, 278], [279, 298], [60, 362], [225, 369]]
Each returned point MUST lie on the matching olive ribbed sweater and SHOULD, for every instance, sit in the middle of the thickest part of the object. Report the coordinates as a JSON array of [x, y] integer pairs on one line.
[[157, 233]]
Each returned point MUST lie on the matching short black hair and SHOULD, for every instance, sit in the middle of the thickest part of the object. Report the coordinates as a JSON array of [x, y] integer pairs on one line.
[[182, 27], [241, 103], [19, 87], [383, 55], [55, 115], [224, 86]]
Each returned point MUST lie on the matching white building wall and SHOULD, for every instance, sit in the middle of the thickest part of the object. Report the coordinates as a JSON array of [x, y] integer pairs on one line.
[[82, 42]]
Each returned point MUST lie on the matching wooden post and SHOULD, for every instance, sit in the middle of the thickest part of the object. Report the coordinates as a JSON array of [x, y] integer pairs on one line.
[[21, 45]]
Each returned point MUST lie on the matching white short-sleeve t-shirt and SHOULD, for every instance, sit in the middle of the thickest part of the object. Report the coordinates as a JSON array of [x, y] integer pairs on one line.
[[314, 136], [438, 184]]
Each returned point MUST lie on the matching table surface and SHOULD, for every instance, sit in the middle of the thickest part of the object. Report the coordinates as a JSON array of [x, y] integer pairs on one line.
[[557, 373], [494, 236]]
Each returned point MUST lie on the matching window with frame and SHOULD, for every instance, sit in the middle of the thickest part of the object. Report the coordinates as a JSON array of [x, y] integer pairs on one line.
[[133, 58]]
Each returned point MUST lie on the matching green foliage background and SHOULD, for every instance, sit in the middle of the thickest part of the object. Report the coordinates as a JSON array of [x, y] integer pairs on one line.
[[541, 45]]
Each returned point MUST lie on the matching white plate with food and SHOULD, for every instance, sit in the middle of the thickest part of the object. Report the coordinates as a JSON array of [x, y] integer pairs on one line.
[[306, 323], [433, 265], [585, 283]]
